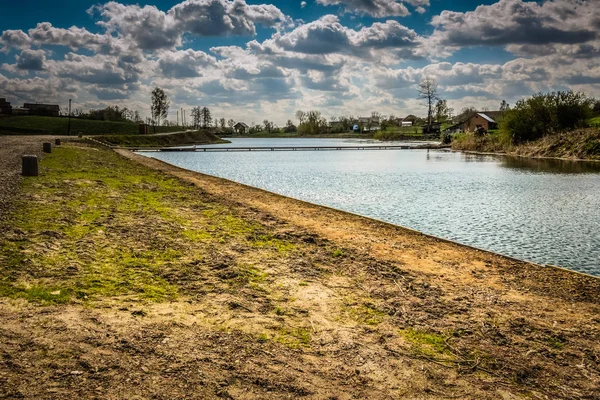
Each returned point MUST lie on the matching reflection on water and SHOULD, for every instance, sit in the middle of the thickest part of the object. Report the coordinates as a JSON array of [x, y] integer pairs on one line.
[[540, 210], [551, 166]]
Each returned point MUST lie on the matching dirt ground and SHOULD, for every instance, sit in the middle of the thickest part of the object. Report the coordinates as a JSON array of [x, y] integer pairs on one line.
[[278, 298], [11, 150]]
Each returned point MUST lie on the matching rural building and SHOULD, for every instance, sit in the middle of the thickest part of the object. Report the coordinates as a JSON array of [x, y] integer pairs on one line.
[[487, 120], [20, 111], [47, 110], [5, 107], [405, 124], [368, 124], [241, 128], [481, 120]]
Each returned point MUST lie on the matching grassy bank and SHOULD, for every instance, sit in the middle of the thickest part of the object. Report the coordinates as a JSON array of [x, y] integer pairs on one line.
[[124, 279], [36, 125], [176, 139], [578, 144]]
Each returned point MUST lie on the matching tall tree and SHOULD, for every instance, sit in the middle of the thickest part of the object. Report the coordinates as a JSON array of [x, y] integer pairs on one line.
[[428, 92], [206, 117], [160, 105], [504, 106], [196, 117], [442, 112], [222, 123], [231, 123]]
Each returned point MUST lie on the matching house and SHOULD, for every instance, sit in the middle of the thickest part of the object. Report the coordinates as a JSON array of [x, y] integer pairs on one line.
[[481, 120], [487, 120], [20, 111], [241, 128], [368, 124], [406, 124], [47, 110], [5, 107]]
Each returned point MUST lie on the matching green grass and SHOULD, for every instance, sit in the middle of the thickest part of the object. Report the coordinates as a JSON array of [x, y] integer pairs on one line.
[[594, 121], [178, 139], [427, 343], [94, 225], [31, 124]]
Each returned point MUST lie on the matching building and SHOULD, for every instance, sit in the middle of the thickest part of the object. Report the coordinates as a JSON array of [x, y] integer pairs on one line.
[[487, 120], [481, 120], [241, 128], [5, 107], [368, 124], [47, 110]]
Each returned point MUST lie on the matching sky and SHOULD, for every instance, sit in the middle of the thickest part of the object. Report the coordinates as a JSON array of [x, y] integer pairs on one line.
[[255, 60]]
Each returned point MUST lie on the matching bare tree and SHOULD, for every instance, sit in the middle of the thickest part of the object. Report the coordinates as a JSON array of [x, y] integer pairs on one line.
[[231, 123], [428, 92], [160, 105]]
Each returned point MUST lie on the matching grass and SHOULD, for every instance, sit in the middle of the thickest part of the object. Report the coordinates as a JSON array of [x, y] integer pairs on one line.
[[177, 139], [594, 121], [427, 343], [32, 124], [95, 226]]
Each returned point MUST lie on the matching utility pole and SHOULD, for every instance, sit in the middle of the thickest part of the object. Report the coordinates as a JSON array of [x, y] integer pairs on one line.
[[177, 117], [69, 125]]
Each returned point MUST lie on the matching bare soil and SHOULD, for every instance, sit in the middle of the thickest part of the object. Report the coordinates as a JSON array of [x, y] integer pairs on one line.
[[277, 298]]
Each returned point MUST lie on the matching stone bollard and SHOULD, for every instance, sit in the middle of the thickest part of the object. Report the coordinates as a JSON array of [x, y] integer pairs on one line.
[[47, 147], [57, 142], [29, 166]]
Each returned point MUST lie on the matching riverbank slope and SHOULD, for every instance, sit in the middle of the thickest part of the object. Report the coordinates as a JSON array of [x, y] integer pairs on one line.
[[122, 276], [581, 144], [186, 138]]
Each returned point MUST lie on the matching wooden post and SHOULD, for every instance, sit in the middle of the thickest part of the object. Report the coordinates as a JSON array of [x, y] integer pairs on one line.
[[29, 166], [47, 147], [57, 142]]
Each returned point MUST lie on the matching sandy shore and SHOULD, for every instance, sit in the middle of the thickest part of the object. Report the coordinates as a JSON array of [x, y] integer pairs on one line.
[[267, 297]]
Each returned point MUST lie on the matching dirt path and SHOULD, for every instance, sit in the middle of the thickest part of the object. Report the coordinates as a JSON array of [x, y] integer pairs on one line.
[[121, 281]]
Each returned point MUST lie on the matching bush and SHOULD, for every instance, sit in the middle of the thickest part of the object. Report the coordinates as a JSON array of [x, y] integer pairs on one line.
[[545, 114]]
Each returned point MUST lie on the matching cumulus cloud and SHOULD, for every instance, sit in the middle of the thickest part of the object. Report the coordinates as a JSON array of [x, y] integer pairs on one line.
[[14, 39], [31, 60], [303, 4], [151, 28], [377, 8], [184, 63], [327, 35], [519, 22]]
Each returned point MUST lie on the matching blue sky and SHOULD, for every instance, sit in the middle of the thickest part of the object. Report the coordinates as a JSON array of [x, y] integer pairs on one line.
[[265, 59]]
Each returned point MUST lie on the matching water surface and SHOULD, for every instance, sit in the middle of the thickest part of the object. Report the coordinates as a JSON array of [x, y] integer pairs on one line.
[[544, 211]]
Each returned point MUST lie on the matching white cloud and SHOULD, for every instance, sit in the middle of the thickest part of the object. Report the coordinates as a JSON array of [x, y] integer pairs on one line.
[[378, 8]]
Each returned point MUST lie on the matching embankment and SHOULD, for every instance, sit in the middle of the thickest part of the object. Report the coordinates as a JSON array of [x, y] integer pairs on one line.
[[149, 141], [122, 276], [581, 144], [39, 125]]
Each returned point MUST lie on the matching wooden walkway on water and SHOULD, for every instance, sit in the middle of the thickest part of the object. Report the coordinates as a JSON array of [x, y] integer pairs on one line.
[[279, 148]]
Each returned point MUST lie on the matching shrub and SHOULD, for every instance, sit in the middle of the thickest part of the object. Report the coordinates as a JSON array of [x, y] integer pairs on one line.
[[544, 114]]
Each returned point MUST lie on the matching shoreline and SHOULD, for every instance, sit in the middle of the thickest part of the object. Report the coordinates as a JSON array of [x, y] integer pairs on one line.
[[125, 276], [372, 219]]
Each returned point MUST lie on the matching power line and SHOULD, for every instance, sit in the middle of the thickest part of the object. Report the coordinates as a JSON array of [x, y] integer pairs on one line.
[[19, 96]]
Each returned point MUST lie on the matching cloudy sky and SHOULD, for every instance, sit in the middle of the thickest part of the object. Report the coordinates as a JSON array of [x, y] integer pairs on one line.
[[250, 60]]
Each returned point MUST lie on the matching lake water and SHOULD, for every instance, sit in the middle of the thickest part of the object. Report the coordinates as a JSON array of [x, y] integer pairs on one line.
[[546, 211]]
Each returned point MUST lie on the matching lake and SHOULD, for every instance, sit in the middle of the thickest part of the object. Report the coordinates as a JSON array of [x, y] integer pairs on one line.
[[546, 211]]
